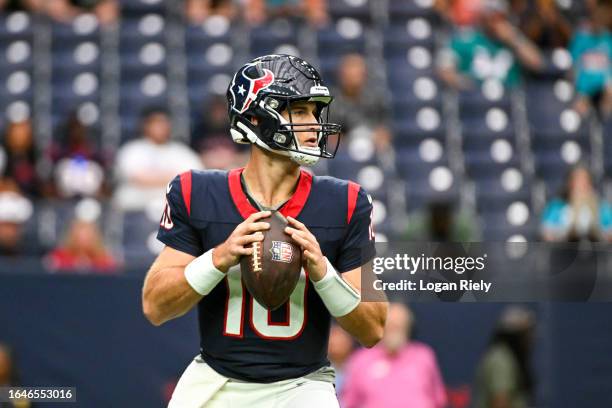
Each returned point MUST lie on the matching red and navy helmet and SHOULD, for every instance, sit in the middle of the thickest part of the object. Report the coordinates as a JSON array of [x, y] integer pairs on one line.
[[265, 87]]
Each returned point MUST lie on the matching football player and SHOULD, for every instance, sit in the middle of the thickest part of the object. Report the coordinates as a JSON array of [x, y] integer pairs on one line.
[[250, 356]]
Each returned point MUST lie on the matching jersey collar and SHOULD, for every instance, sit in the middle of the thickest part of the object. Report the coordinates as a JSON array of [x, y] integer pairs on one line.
[[291, 208]]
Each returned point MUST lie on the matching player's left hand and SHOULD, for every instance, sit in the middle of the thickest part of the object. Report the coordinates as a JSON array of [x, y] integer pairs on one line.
[[312, 257]]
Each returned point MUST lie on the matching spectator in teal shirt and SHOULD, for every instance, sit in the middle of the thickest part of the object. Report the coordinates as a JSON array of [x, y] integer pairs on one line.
[[577, 213], [591, 50], [494, 50]]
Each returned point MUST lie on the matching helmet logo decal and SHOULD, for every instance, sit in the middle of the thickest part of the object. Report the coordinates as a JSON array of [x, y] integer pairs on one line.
[[245, 89]]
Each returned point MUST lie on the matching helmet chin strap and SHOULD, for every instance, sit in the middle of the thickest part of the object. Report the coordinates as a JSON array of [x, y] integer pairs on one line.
[[305, 159]]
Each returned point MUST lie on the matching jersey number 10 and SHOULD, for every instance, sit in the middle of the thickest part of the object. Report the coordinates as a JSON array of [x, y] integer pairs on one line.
[[260, 318]]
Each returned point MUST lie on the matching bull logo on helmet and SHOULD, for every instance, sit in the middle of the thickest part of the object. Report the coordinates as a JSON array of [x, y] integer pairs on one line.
[[244, 87]]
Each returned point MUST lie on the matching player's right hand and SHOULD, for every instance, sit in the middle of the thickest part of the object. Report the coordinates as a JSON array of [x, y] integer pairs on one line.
[[228, 253]]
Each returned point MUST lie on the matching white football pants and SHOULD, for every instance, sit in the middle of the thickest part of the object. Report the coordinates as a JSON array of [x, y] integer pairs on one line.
[[202, 387]]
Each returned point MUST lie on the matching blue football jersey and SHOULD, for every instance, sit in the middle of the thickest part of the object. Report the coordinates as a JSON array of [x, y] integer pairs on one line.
[[240, 338]]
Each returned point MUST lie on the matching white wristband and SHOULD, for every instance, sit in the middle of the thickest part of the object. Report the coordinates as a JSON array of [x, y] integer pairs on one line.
[[202, 275], [337, 295]]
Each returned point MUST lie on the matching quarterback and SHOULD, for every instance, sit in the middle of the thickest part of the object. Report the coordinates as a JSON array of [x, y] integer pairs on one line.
[[250, 356]]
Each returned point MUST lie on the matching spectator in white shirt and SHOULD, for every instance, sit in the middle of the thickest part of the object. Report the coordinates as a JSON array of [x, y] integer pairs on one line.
[[145, 166]]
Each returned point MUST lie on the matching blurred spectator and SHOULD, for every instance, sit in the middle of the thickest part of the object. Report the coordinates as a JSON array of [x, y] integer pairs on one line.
[[145, 166], [543, 23], [577, 213], [222, 154], [591, 49], [259, 11], [8, 376], [441, 223], [107, 11], [459, 12], [492, 49], [339, 349], [79, 166], [15, 211], [21, 157], [197, 11], [213, 123], [211, 138], [358, 104], [83, 249], [396, 373], [21, 5], [503, 376]]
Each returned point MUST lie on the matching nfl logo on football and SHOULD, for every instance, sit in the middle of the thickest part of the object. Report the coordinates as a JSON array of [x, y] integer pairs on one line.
[[281, 251]]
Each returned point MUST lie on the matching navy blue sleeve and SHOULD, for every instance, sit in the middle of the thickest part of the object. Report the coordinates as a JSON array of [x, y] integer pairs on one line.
[[358, 246], [174, 228]]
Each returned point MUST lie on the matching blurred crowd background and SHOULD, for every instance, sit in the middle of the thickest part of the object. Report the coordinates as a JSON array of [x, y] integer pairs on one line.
[[466, 120]]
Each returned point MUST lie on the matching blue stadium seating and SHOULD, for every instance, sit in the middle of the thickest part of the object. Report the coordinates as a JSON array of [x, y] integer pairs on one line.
[[400, 10], [474, 103], [266, 39], [334, 41], [137, 229], [497, 228], [139, 7], [406, 34], [397, 43], [359, 10]]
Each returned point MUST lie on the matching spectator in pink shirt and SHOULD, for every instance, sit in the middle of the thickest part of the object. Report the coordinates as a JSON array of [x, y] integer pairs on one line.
[[398, 373]]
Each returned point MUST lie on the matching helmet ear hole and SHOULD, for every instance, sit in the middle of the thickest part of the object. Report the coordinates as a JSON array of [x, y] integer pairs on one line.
[[281, 139]]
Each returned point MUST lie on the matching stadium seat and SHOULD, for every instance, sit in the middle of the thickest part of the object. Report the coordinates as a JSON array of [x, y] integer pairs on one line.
[[399, 38], [66, 36], [416, 93], [401, 10], [360, 10], [16, 65], [413, 167], [139, 7], [278, 38], [15, 26], [479, 151], [491, 94], [555, 154], [427, 122], [491, 124], [215, 29], [346, 36], [516, 219], [136, 32], [138, 236], [546, 101], [557, 64], [420, 194], [496, 191], [136, 96]]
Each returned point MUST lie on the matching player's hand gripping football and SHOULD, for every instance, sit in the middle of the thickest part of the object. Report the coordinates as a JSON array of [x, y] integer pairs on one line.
[[312, 257], [228, 253]]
